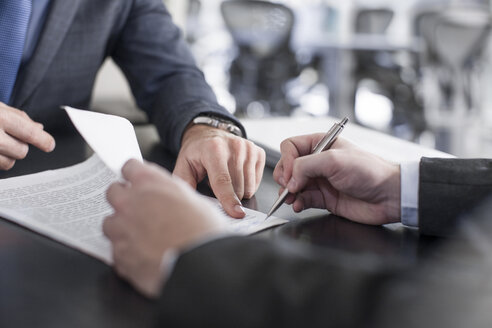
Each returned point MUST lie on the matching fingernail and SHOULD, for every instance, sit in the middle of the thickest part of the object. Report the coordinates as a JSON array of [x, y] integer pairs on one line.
[[282, 181], [292, 184], [239, 209]]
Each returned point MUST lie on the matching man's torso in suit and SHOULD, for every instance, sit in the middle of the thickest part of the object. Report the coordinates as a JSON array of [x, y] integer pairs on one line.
[[139, 35]]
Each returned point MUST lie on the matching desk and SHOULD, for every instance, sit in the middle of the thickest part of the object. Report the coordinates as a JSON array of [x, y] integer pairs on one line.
[[46, 284]]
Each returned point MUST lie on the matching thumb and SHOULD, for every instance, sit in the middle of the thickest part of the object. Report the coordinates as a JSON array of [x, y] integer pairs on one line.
[[184, 170]]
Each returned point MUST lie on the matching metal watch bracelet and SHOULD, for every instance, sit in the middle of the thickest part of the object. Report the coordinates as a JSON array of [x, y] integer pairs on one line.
[[218, 123]]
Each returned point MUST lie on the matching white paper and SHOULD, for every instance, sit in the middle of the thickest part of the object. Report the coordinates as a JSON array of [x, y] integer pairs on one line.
[[271, 132], [111, 137], [69, 205], [254, 221]]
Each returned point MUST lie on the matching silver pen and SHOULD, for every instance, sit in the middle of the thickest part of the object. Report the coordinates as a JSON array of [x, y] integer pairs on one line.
[[322, 145]]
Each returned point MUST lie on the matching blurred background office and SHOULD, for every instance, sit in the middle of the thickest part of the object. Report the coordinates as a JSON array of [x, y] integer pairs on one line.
[[416, 69]]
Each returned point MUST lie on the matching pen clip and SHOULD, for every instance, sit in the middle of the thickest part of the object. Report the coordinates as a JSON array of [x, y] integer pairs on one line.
[[327, 135], [331, 134]]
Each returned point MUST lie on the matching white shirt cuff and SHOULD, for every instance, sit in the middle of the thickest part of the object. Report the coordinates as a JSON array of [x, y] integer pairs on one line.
[[167, 264], [409, 193], [171, 255]]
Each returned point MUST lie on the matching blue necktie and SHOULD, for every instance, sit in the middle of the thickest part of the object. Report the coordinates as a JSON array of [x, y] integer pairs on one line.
[[14, 19]]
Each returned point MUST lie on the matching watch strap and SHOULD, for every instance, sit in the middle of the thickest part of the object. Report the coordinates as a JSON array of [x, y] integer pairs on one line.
[[219, 123]]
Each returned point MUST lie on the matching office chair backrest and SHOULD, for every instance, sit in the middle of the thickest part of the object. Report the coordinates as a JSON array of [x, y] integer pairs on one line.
[[460, 34], [425, 23], [424, 32], [373, 21], [261, 26]]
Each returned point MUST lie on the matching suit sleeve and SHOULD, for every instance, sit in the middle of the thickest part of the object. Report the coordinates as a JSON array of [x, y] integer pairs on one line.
[[247, 282], [162, 74], [448, 188]]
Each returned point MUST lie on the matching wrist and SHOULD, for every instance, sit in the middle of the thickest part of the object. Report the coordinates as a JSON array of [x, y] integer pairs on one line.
[[203, 123], [218, 123]]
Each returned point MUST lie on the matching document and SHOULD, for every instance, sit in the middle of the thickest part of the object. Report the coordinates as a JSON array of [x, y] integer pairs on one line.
[[69, 204], [111, 137], [254, 221], [270, 132]]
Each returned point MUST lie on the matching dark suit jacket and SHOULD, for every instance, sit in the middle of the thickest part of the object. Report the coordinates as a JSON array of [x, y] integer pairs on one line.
[[245, 282], [448, 188], [140, 36]]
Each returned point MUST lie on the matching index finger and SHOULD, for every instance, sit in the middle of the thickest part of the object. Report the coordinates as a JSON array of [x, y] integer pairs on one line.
[[26, 130], [221, 184], [291, 149]]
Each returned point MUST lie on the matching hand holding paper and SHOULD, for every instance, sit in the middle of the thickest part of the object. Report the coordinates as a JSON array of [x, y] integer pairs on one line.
[[69, 204], [155, 213]]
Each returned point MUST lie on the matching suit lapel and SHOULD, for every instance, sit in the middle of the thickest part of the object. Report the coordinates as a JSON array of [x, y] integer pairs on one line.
[[58, 22]]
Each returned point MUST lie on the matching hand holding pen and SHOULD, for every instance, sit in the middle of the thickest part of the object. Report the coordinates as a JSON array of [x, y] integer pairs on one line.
[[346, 180], [325, 143]]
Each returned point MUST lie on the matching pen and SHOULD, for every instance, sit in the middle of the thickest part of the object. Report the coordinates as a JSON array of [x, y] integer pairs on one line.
[[322, 145]]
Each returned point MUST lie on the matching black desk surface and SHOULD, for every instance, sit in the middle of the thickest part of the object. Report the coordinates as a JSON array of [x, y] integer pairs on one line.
[[46, 284]]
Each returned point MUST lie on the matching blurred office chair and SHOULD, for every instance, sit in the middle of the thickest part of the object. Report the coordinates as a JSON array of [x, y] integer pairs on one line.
[[373, 21], [264, 62], [389, 76], [472, 29], [192, 30], [455, 41]]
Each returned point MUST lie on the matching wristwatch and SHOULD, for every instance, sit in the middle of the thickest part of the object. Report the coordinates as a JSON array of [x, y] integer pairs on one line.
[[219, 123]]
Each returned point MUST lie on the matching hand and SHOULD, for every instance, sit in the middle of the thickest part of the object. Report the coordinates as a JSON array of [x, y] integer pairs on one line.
[[234, 165], [344, 179], [153, 213], [17, 131]]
